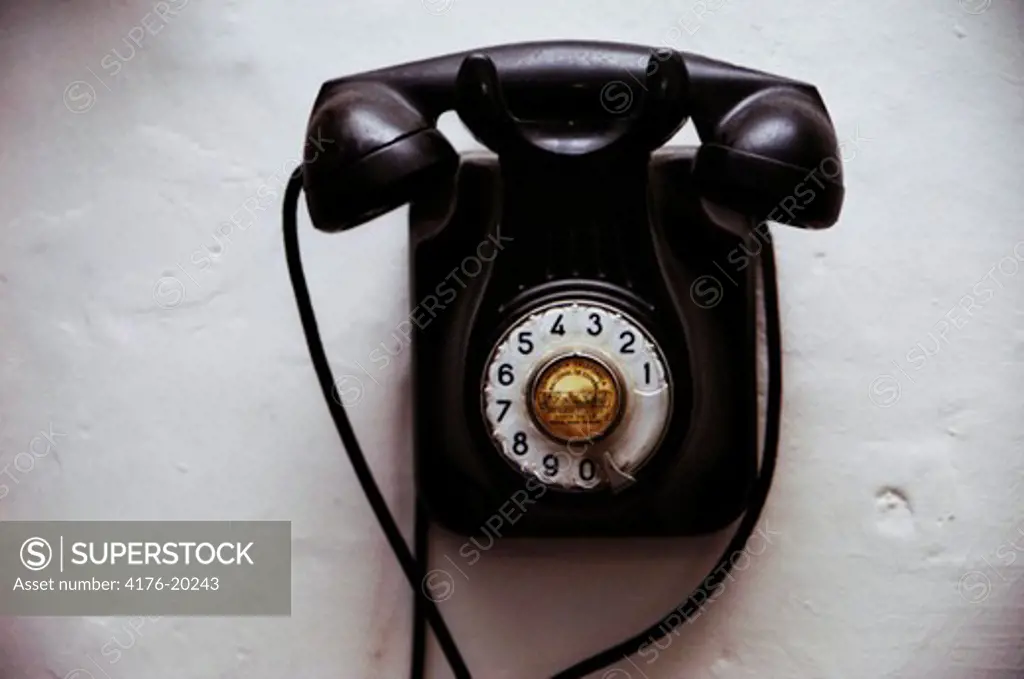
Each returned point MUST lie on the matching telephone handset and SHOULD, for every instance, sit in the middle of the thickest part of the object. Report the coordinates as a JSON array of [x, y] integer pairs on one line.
[[584, 302]]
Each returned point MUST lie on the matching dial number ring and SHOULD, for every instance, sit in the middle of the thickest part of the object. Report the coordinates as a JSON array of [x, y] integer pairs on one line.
[[576, 394]]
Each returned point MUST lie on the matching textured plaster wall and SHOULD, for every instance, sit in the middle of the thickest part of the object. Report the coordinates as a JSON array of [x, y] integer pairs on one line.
[[171, 363]]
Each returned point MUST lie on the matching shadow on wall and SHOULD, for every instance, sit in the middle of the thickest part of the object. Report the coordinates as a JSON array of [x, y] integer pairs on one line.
[[22, 649], [1012, 69], [982, 643], [108, 37]]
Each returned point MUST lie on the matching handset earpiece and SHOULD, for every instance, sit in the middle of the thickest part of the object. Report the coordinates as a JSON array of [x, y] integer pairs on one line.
[[775, 157], [373, 152]]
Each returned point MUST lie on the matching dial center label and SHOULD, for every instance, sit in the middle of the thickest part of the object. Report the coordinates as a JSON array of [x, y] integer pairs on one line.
[[576, 398]]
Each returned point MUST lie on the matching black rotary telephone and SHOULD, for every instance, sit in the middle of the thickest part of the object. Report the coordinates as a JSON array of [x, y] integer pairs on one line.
[[585, 310]]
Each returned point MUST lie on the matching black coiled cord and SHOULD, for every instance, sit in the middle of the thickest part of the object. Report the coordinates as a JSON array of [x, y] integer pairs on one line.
[[424, 609]]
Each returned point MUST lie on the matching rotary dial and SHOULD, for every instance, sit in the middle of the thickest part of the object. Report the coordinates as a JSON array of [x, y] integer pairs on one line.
[[577, 395]]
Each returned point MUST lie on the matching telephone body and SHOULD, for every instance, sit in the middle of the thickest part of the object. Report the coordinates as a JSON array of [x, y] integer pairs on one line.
[[584, 300]]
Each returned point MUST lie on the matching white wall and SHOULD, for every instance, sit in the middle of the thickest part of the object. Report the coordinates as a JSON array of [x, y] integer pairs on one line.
[[208, 409]]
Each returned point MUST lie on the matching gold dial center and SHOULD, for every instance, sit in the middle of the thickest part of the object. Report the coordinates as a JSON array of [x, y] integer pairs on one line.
[[576, 398]]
